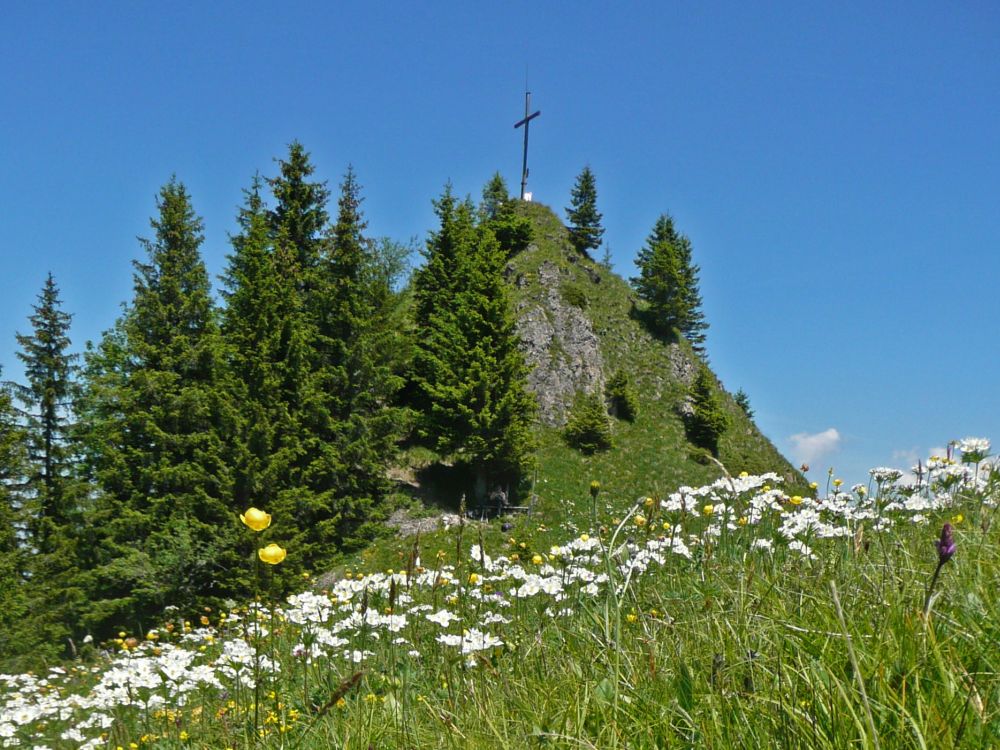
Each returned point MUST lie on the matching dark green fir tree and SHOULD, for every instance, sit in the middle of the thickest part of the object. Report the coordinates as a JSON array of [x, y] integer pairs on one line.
[[349, 426], [585, 229], [162, 421], [53, 494], [16, 641], [622, 397], [668, 282], [471, 374], [300, 216], [708, 420], [46, 405], [588, 428], [500, 213]]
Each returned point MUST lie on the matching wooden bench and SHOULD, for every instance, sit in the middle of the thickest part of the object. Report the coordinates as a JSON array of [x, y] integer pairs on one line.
[[490, 510]]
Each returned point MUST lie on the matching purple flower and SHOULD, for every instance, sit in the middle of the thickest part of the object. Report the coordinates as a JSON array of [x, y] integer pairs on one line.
[[945, 545]]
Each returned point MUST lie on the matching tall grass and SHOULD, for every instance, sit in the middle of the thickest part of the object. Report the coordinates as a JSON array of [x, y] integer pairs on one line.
[[731, 615]]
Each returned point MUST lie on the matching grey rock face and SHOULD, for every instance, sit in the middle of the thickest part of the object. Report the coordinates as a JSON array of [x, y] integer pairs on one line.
[[560, 346]]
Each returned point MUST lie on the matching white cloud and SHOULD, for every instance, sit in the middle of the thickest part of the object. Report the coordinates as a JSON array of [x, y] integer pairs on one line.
[[808, 448]]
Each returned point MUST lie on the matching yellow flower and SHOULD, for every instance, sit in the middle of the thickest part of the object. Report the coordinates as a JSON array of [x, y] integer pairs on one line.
[[795, 500], [837, 482], [813, 485], [473, 578], [595, 487], [584, 537], [957, 519], [536, 559], [744, 475], [272, 554], [708, 510], [640, 520], [631, 617], [648, 502], [743, 521], [256, 519]]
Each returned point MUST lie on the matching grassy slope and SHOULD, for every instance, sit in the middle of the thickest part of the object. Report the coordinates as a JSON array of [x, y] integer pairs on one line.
[[651, 455]]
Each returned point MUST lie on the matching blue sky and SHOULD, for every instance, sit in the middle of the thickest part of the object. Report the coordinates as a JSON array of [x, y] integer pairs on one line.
[[836, 168]]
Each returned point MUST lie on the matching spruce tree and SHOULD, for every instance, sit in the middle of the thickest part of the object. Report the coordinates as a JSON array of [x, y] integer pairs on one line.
[[585, 230], [501, 214], [622, 397], [588, 429], [350, 429], [15, 604], [300, 214], [265, 331], [53, 496], [471, 374], [46, 402], [668, 282], [708, 420], [693, 326], [162, 422]]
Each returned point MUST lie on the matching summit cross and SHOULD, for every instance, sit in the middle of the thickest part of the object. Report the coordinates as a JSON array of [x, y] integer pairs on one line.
[[527, 119]]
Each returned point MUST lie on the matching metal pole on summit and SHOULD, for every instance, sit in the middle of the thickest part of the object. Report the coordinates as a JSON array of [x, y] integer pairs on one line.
[[527, 119]]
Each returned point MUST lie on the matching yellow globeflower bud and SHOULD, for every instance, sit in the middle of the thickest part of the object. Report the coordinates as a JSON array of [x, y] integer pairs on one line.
[[708, 510], [536, 559], [272, 554], [796, 500], [256, 519]]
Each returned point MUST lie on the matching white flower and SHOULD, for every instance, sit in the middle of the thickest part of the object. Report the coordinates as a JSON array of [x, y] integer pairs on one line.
[[443, 617]]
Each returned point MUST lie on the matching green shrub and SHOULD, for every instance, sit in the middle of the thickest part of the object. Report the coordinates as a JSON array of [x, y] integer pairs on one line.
[[574, 295], [743, 401], [708, 421], [622, 397], [588, 429]]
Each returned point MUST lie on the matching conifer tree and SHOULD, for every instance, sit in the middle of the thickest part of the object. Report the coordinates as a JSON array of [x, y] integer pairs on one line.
[[350, 428], [668, 282], [46, 399], [470, 371], [52, 495], [495, 195], [15, 605], [622, 397], [161, 420], [588, 429], [708, 420], [585, 230], [500, 213], [300, 214], [265, 331]]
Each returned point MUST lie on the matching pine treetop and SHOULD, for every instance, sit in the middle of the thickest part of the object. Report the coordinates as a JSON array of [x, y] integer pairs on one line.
[[585, 228]]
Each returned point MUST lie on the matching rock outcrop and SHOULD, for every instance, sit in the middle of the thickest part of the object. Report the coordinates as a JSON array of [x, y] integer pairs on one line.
[[560, 346]]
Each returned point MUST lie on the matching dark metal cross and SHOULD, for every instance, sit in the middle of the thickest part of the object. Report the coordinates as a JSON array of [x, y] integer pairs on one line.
[[527, 119]]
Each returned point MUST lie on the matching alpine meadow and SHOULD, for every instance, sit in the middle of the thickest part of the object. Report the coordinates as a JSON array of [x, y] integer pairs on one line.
[[471, 491]]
